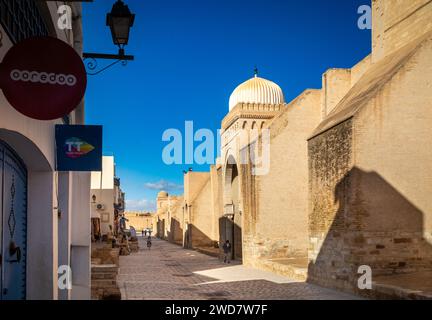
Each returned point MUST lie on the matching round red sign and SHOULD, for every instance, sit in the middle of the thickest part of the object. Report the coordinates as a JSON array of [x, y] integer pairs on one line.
[[43, 78]]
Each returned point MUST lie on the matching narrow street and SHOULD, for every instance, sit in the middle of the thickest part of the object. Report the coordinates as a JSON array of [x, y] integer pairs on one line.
[[168, 272]]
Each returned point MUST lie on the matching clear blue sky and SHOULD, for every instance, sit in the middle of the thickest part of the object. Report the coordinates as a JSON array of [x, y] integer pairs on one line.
[[190, 55]]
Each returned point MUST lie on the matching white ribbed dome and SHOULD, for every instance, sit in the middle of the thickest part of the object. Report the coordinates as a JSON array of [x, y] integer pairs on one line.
[[257, 90], [162, 194]]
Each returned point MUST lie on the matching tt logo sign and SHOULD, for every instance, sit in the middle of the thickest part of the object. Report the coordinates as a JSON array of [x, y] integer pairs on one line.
[[75, 148], [65, 19], [78, 148]]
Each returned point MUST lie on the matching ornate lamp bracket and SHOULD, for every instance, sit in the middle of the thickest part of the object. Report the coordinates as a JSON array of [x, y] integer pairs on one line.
[[91, 61]]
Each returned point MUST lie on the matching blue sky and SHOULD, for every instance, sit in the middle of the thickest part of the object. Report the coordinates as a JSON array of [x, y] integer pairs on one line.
[[189, 56]]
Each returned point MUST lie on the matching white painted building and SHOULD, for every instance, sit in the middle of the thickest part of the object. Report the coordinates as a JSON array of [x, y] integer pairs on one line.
[[44, 213], [107, 199]]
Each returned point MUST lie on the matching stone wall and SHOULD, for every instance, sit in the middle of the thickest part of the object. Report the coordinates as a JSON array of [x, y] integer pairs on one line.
[[279, 227], [176, 222], [169, 219], [217, 200], [192, 220], [139, 220], [202, 220], [335, 85], [330, 161], [360, 69], [397, 22], [371, 177], [394, 176], [203, 198]]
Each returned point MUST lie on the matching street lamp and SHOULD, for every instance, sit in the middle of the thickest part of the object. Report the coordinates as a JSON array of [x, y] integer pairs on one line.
[[119, 20]]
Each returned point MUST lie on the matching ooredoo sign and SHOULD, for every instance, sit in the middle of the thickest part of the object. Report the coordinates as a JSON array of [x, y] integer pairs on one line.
[[43, 78]]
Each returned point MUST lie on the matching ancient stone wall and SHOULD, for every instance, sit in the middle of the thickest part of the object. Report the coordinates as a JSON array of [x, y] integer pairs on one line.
[[216, 176], [176, 221], [371, 177], [398, 22], [393, 180], [360, 69], [276, 219], [330, 161], [139, 220], [335, 85], [202, 220]]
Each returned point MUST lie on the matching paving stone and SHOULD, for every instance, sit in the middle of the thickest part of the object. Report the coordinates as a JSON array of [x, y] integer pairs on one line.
[[169, 272]]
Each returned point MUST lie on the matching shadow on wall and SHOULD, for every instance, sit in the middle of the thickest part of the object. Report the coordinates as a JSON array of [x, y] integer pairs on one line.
[[160, 229], [229, 230], [175, 235], [374, 225], [194, 238]]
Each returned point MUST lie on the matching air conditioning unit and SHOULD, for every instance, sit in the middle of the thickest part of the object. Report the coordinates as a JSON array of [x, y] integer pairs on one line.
[[100, 206]]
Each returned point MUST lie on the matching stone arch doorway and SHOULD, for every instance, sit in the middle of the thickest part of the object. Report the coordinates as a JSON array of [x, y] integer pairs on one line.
[[232, 211], [13, 224]]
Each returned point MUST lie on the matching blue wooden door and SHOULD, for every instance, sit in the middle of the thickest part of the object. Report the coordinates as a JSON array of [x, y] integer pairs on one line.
[[13, 227]]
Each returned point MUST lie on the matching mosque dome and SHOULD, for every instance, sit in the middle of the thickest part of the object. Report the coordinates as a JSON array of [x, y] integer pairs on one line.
[[162, 194], [257, 90]]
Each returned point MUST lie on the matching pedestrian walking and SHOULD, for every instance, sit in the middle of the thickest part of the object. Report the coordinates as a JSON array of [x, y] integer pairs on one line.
[[149, 243], [122, 223], [227, 252]]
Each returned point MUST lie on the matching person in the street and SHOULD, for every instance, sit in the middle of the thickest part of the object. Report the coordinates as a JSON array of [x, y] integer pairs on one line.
[[116, 225], [227, 252], [122, 223], [149, 244]]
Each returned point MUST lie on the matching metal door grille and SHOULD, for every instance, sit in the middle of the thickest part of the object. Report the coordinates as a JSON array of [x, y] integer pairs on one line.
[[22, 19]]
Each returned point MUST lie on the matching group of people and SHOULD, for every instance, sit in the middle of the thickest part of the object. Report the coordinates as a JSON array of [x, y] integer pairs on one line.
[[146, 232], [227, 248]]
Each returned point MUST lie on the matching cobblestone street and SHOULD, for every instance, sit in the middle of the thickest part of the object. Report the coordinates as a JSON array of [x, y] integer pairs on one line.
[[169, 272]]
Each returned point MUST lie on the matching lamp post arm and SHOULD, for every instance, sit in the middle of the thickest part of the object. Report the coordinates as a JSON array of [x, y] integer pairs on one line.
[[121, 57], [91, 63]]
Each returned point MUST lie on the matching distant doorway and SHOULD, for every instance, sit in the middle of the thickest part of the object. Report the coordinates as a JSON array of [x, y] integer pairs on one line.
[[232, 219]]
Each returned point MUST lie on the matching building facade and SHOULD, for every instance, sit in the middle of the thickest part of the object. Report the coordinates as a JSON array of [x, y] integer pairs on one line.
[[44, 215], [370, 177], [337, 179], [107, 200], [169, 218], [140, 220]]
